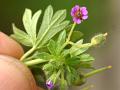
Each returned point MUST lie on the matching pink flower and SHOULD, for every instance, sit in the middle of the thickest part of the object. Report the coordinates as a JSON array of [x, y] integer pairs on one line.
[[79, 14]]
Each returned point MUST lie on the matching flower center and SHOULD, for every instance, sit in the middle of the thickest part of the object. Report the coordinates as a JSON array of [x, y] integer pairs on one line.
[[78, 14]]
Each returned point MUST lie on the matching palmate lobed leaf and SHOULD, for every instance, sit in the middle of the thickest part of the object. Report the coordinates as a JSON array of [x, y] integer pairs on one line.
[[27, 38], [30, 23], [51, 25]]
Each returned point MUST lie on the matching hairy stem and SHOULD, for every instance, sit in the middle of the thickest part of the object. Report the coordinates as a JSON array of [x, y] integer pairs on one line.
[[69, 36], [57, 76], [97, 71], [70, 33], [27, 53], [34, 62]]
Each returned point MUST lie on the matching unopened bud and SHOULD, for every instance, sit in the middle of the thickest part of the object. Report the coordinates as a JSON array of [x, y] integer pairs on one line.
[[98, 39]]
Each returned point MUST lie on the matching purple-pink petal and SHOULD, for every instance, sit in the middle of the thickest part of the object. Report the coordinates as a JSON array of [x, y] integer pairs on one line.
[[84, 17], [77, 7], [77, 20], [49, 84], [74, 10], [84, 10]]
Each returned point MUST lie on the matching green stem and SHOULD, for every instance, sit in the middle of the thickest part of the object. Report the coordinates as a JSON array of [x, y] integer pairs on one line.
[[69, 36], [28, 53], [97, 71], [70, 33], [34, 62], [57, 76]]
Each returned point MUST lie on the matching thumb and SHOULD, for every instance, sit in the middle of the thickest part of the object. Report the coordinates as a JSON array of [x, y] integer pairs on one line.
[[14, 75]]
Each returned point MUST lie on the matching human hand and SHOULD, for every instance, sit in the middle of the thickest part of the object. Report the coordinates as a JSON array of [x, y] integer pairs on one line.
[[13, 74]]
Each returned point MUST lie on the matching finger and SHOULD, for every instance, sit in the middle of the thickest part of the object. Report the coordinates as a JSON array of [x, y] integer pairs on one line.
[[14, 75], [10, 47]]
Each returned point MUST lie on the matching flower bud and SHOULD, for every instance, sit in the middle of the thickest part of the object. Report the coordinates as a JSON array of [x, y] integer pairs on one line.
[[49, 84], [98, 39]]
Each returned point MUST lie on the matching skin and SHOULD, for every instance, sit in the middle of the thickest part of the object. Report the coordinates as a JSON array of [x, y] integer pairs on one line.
[[13, 74]]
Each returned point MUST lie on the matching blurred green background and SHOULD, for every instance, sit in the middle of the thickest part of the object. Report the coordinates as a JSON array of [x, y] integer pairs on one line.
[[103, 17]]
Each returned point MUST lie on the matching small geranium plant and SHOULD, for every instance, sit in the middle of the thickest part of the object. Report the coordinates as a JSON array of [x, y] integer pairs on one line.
[[55, 57]]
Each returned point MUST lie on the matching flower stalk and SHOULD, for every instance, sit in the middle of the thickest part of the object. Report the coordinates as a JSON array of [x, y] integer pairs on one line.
[[34, 62], [69, 36], [70, 33], [97, 71], [27, 53]]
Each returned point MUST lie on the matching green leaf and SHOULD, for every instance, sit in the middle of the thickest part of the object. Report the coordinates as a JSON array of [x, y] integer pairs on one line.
[[46, 20], [21, 36], [60, 41], [76, 35], [86, 65], [65, 52], [71, 76], [79, 48], [72, 61], [41, 55], [52, 47], [30, 23], [51, 25], [61, 38], [86, 57], [54, 31], [27, 16], [77, 51]]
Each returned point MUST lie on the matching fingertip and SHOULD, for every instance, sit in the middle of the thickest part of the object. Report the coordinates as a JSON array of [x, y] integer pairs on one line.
[[10, 47]]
